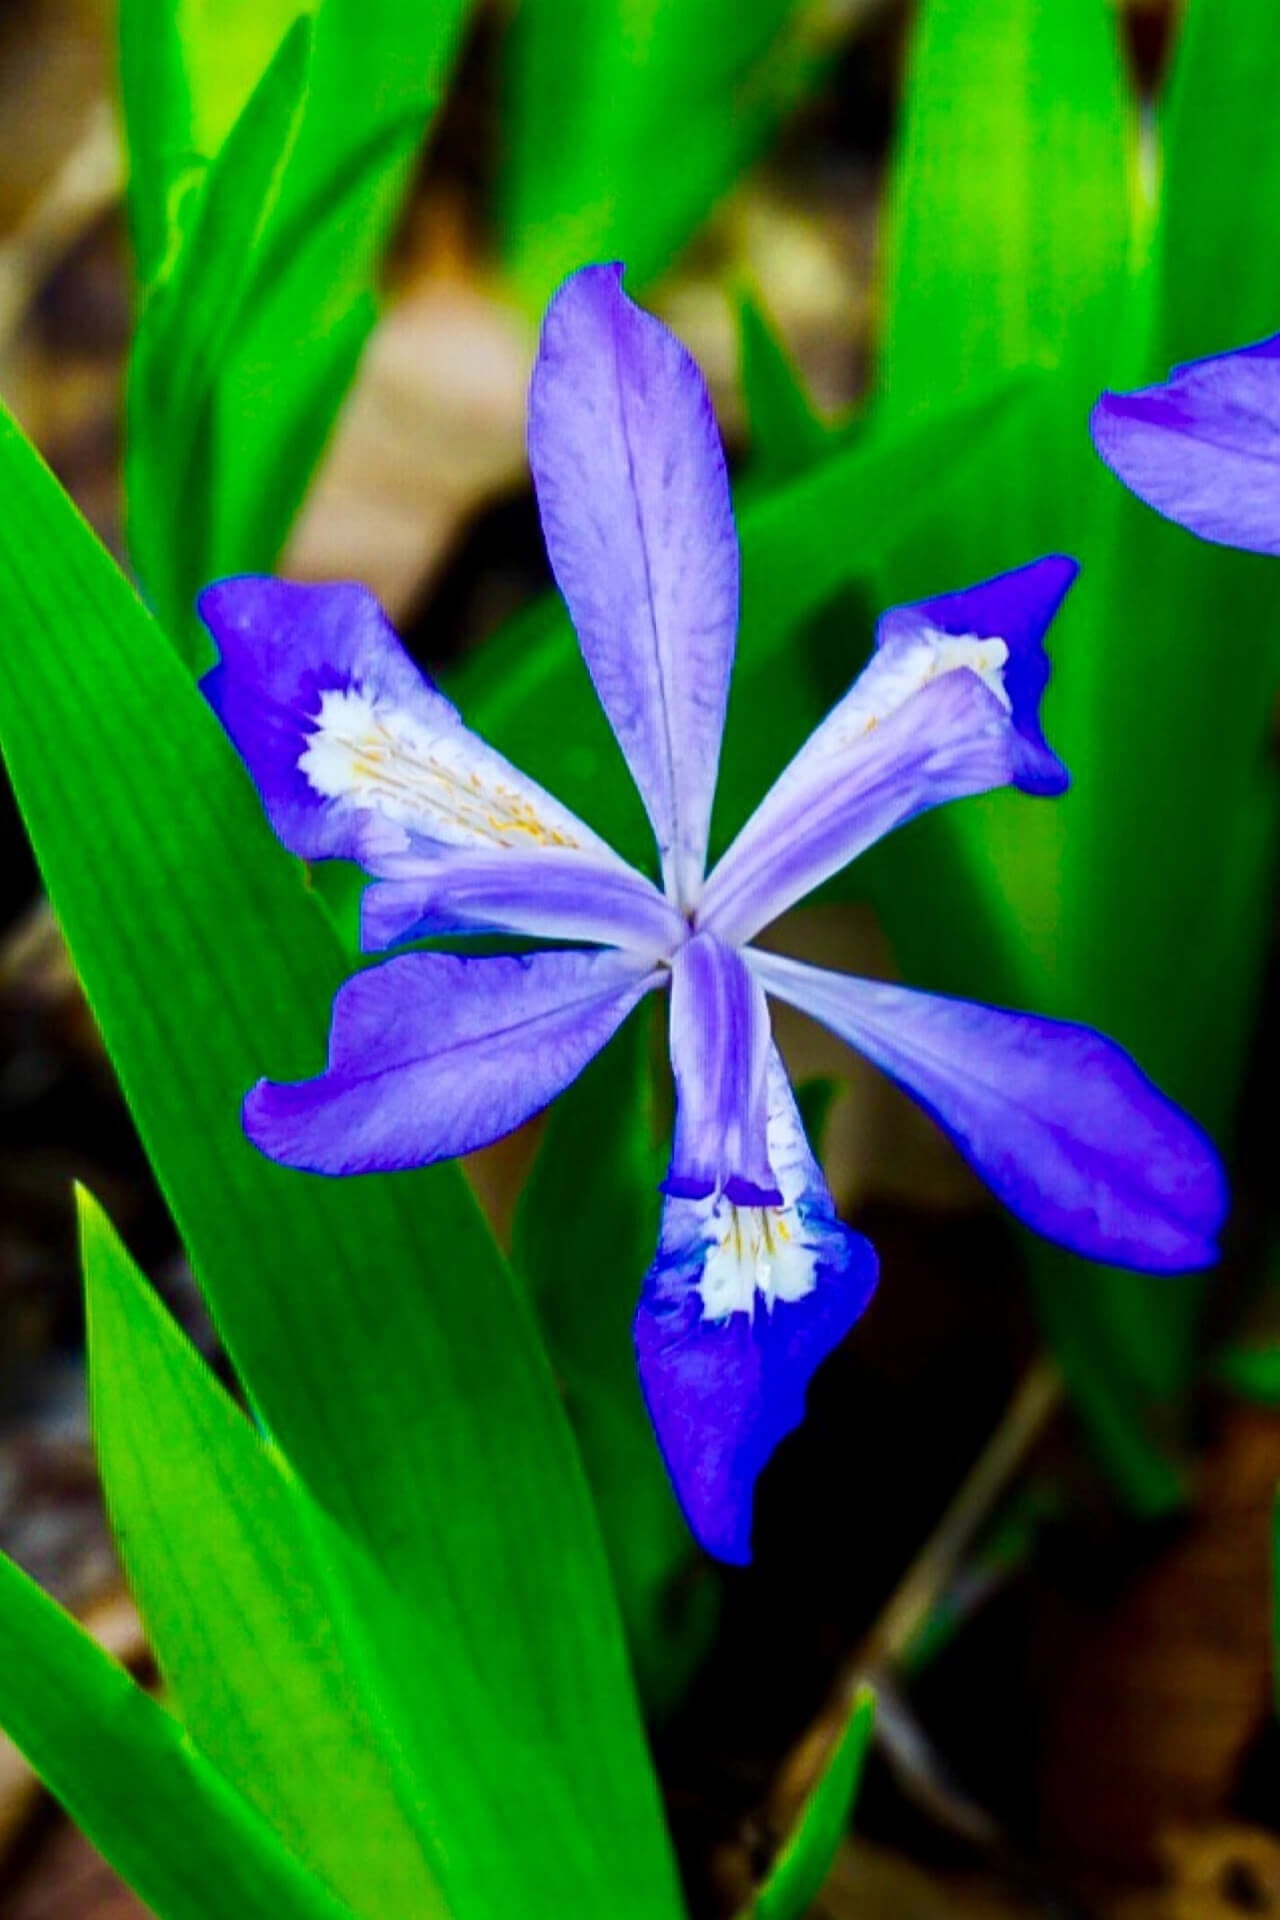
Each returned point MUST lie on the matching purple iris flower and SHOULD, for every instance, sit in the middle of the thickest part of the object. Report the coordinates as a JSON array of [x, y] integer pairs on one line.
[[1203, 448], [358, 756]]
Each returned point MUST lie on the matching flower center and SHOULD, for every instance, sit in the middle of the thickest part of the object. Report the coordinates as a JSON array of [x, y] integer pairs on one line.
[[756, 1251]]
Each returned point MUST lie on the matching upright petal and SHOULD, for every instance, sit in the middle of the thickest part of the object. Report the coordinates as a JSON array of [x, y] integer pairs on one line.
[[1016, 609], [435, 1054], [720, 1049], [948, 705], [738, 1310], [340, 730], [848, 788], [424, 889], [634, 499], [1060, 1123], [1203, 448]]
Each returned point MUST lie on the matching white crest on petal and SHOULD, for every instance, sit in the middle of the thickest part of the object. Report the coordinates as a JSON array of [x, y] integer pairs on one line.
[[764, 1252], [755, 1251], [905, 665], [908, 664], [442, 782]]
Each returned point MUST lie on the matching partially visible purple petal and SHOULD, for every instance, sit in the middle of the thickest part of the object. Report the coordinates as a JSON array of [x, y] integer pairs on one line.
[[339, 728], [1018, 609], [434, 1054], [739, 1309], [551, 895], [1062, 1125], [720, 1047], [1203, 447], [634, 499], [868, 768]]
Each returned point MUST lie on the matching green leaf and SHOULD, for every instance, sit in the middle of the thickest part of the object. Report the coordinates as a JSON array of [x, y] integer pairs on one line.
[[1042, 248], [993, 267], [377, 1331], [164, 1818], [298, 228], [187, 68], [223, 1569], [1219, 220], [585, 1233], [1137, 902], [377, 79], [987, 271], [625, 124], [787, 435], [815, 1098], [1252, 1372], [187, 324], [796, 1877], [1177, 972]]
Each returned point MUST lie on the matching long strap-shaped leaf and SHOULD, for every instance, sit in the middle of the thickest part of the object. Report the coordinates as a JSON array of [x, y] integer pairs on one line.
[[1167, 878], [796, 1876], [187, 67], [1042, 248], [592, 88], [594, 1185], [376, 1328], [187, 324], [222, 1565], [163, 1816], [1137, 902], [297, 225]]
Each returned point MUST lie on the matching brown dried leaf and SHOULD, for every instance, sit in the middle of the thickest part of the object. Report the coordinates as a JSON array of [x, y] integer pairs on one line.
[[1155, 1696]]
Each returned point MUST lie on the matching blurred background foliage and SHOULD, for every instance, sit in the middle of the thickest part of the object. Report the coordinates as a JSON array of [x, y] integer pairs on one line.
[[268, 295]]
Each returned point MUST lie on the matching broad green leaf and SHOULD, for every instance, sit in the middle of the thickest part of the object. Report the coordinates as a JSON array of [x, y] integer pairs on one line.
[[796, 1877], [1218, 223], [1206, 792], [987, 270], [1169, 949], [312, 216], [528, 692], [223, 1569], [187, 324], [378, 1333], [1043, 246], [163, 1816], [626, 123], [187, 67], [996, 265], [585, 1234], [1251, 1371], [787, 435], [378, 75], [1135, 903]]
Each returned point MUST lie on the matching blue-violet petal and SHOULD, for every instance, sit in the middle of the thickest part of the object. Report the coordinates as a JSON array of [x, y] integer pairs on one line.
[[1062, 1125], [720, 1046], [434, 1054], [341, 731], [634, 499], [872, 765], [740, 1307], [1203, 447]]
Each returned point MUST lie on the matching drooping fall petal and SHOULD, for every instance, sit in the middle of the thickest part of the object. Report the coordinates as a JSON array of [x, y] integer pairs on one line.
[[1061, 1124]]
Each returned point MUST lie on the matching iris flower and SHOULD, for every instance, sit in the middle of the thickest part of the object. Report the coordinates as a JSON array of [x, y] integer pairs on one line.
[[1203, 448], [357, 756]]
